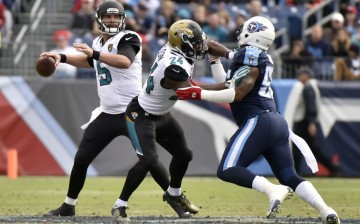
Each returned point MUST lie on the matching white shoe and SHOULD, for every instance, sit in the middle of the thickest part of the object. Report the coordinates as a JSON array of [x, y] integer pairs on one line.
[[277, 196], [329, 216]]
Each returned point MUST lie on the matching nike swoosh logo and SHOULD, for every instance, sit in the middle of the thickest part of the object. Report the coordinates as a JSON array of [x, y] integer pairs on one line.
[[177, 71], [128, 38]]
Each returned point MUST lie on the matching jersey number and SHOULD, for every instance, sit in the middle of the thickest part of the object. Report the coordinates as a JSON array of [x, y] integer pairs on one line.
[[150, 80], [104, 73], [176, 60], [265, 89]]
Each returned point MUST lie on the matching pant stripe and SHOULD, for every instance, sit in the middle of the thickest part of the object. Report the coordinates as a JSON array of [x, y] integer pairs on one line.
[[238, 145], [133, 136]]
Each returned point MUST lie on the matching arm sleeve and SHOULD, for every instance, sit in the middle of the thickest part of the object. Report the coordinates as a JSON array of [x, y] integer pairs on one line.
[[129, 46], [310, 104], [176, 73]]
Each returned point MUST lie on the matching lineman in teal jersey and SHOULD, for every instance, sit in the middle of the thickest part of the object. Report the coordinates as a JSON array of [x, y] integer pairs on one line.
[[116, 57]]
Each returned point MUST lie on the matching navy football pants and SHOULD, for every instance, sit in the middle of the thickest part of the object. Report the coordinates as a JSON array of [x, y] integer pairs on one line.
[[263, 135]]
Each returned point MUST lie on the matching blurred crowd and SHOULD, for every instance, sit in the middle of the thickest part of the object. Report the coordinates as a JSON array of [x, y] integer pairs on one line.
[[331, 50]]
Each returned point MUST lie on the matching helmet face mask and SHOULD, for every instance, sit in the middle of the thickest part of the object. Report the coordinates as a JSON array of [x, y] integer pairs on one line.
[[110, 7], [258, 32], [188, 37]]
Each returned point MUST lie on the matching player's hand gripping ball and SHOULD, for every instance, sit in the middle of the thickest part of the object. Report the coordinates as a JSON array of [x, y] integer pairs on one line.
[[45, 66]]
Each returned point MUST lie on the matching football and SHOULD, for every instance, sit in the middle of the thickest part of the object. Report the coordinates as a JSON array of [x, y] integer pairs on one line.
[[45, 66]]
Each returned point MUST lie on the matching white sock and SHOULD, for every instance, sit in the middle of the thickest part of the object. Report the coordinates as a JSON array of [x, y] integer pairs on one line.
[[70, 201], [174, 191], [120, 203], [262, 185], [308, 193]]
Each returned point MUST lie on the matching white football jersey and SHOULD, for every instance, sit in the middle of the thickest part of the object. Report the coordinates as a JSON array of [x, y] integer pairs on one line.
[[154, 98], [117, 86]]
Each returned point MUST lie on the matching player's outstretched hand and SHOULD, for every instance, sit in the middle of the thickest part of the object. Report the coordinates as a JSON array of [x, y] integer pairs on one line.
[[238, 76], [189, 93], [83, 48], [53, 55]]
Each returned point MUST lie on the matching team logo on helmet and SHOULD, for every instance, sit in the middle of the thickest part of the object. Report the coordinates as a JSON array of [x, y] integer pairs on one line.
[[254, 27], [185, 34]]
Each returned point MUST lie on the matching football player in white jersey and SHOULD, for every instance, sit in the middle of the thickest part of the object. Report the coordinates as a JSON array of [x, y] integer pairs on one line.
[[116, 57], [149, 119]]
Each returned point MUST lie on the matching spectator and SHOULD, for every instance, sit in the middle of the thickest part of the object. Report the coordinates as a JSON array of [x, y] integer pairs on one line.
[[226, 21], [144, 20], [200, 13], [306, 122], [165, 19], [337, 22], [151, 5], [183, 14], [348, 68], [61, 39], [215, 30], [295, 59], [255, 8], [133, 25], [320, 49], [351, 19], [2, 15], [355, 38], [341, 43], [82, 22], [6, 29]]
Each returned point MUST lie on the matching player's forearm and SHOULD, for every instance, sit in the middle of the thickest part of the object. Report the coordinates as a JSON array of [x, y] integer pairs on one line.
[[222, 96], [218, 86], [218, 71], [78, 60], [115, 60]]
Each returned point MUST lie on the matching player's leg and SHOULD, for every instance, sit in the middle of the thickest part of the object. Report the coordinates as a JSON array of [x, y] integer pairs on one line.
[[141, 131], [245, 146], [170, 136], [280, 159], [97, 135]]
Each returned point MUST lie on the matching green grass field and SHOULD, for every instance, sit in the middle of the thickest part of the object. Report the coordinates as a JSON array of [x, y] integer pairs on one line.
[[37, 195]]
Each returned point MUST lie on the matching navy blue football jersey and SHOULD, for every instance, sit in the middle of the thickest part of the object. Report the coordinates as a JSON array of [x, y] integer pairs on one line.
[[260, 98]]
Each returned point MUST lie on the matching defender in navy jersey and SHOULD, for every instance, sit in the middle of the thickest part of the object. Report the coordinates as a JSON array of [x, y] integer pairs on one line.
[[116, 57], [262, 130]]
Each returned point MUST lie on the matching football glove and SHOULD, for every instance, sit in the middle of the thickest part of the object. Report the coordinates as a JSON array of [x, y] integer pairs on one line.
[[238, 76], [189, 93]]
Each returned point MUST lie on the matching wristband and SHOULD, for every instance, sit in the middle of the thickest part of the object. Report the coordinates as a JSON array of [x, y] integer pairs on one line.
[[229, 55], [96, 55], [63, 58]]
